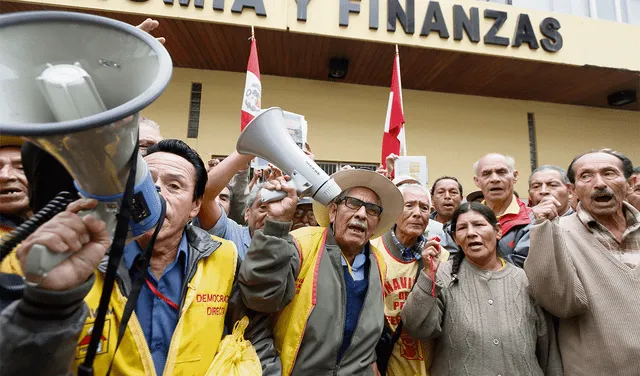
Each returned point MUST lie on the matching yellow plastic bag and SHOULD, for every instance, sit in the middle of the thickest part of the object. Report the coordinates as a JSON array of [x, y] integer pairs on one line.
[[236, 356]]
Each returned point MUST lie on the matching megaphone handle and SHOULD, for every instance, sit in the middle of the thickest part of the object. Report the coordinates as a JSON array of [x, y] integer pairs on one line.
[[40, 260], [267, 195]]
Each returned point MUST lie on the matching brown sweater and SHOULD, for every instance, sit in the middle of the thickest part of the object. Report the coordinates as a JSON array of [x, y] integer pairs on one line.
[[596, 297]]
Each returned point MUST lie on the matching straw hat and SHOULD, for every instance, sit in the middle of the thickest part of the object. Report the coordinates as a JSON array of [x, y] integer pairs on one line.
[[390, 197]]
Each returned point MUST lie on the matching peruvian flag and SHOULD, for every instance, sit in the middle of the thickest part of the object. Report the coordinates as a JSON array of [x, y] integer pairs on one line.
[[252, 87], [393, 140]]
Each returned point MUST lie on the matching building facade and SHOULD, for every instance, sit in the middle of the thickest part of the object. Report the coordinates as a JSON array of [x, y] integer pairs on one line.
[[531, 79]]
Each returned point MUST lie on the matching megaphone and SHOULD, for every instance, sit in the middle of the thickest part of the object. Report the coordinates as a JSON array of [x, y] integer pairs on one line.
[[265, 137], [73, 84]]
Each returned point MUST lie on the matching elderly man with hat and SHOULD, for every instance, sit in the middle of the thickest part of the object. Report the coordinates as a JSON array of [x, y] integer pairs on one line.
[[324, 283]]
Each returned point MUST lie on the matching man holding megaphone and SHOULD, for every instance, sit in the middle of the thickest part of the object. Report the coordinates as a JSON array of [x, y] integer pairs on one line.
[[324, 283], [190, 295]]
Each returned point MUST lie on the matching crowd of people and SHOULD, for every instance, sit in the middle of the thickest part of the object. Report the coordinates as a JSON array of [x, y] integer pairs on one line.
[[392, 277]]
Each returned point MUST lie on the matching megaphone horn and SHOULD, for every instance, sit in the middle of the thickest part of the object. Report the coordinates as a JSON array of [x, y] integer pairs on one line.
[[265, 137], [73, 84]]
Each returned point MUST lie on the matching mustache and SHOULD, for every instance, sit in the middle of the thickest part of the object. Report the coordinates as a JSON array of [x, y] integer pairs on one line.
[[602, 193], [361, 224]]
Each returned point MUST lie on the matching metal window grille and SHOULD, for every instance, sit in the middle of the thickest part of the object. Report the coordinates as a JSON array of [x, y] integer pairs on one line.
[[326, 166], [194, 110], [533, 144]]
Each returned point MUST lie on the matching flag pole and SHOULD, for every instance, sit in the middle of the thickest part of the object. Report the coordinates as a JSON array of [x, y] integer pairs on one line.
[[253, 35], [397, 49]]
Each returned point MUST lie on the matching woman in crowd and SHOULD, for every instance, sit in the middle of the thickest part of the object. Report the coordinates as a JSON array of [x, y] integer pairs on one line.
[[478, 309]]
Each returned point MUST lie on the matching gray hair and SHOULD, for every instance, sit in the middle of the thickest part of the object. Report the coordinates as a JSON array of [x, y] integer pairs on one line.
[[253, 195], [561, 171], [421, 187], [511, 163], [150, 123]]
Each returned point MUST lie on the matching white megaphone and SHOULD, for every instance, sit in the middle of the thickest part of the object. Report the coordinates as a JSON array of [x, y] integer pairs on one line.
[[73, 84], [265, 137]]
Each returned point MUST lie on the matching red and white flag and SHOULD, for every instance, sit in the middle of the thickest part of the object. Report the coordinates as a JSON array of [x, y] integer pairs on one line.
[[252, 88], [393, 140]]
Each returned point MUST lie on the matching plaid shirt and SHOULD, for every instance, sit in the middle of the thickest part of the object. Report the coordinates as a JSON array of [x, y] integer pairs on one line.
[[411, 253], [628, 249]]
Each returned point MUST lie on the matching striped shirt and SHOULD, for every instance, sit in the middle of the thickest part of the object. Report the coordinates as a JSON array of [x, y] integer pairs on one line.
[[626, 250]]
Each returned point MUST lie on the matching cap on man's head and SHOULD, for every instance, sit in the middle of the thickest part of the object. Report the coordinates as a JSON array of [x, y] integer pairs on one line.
[[405, 179], [6, 141], [474, 196], [305, 201]]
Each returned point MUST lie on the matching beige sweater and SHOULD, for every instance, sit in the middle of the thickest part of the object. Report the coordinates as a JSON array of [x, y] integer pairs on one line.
[[486, 324], [596, 297]]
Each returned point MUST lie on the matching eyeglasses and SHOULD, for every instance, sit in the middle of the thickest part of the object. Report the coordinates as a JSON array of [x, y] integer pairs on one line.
[[355, 204]]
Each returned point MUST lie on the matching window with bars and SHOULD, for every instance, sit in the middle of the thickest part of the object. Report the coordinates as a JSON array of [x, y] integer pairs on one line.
[[194, 110], [326, 166]]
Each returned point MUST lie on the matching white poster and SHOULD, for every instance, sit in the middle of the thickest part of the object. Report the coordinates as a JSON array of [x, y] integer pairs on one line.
[[416, 167], [297, 127]]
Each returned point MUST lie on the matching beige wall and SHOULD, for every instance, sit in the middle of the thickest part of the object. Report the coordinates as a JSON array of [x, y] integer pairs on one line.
[[346, 123]]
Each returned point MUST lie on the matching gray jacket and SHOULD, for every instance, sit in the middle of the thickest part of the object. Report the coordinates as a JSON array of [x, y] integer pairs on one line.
[[267, 282], [43, 327], [239, 194]]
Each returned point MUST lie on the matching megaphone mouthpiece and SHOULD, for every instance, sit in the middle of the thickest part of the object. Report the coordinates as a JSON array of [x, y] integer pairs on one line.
[[70, 92]]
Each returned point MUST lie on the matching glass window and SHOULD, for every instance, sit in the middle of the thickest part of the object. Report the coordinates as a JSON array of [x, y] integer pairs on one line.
[[606, 9], [623, 11], [544, 5], [579, 7], [507, 2], [633, 11]]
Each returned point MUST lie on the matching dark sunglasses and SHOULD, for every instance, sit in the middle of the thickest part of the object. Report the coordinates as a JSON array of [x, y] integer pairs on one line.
[[355, 204]]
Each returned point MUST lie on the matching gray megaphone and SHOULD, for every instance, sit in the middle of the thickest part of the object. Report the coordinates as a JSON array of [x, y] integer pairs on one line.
[[266, 137], [73, 84]]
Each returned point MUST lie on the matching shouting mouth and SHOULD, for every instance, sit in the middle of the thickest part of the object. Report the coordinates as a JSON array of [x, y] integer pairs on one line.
[[604, 197], [8, 192], [475, 245], [358, 229]]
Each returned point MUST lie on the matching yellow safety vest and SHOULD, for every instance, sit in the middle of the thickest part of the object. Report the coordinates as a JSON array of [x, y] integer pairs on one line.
[[292, 320], [199, 330], [410, 357], [10, 264]]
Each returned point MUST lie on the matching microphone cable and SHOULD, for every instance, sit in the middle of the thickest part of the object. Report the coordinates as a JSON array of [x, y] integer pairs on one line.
[[56, 205]]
